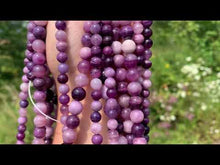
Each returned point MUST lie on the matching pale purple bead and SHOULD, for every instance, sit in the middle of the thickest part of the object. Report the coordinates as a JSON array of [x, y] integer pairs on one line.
[[39, 46], [96, 39], [123, 100], [109, 72], [40, 23], [96, 84], [85, 53], [81, 80], [22, 120], [116, 47], [107, 51], [147, 54], [42, 106], [20, 142], [49, 131], [31, 37], [104, 92], [87, 26], [147, 74], [122, 140], [96, 105], [146, 84], [111, 104], [40, 132], [39, 96], [132, 74], [61, 35], [95, 73], [24, 87], [127, 126], [31, 26], [130, 61], [123, 23], [25, 79], [23, 112], [136, 116], [113, 134], [64, 88], [63, 68], [95, 28], [26, 70], [39, 71], [146, 103], [63, 119], [138, 28], [69, 136], [39, 58], [61, 46], [38, 141], [64, 99], [40, 121], [139, 140], [75, 107], [83, 66], [96, 128], [125, 113], [118, 60], [110, 82], [138, 38], [121, 74], [134, 88], [128, 46], [112, 124], [23, 95]]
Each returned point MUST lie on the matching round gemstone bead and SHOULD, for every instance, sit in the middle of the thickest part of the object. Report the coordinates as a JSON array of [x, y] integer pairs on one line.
[[40, 132], [96, 105], [62, 78], [139, 141], [128, 46], [95, 28], [112, 124], [64, 99], [134, 88], [62, 57], [136, 116], [96, 94], [96, 128], [96, 84], [95, 117], [81, 80], [85, 53], [147, 32], [39, 46], [72, 121], [96, 39], [60, 25], [97, 139], [138, 130], [78, 93], [126, 31], [84, 66], [69, 136], [86, 40], [127, 126], [39, 32]]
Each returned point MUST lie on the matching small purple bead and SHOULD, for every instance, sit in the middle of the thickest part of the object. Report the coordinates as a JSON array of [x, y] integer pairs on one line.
[[147, 53], [96, 39], [108, 62], [130, 138], [147, 23], [39, 83], [95, 73], [121, 74], [107, 51], [97, 139], [107, 40], [40, 132], [64, 99], [122, 87], [135, 101], [96, 62], [30, 65], [95, 28], [132, 74], [39, 58], [23, 103], [78, 94], [95, 117], [83, 66], [96, 94], [130, 61], [141, 60], [31, 26], [60, 25], [39, 32], [145, 93], [20, 136], [112, 113], [138, 129], [72, 121], [96, 51], [126, 32], [112, 93], [148, 43], [146, 120], [147, 64], [64, 109], [21, 128], [146, 112], [86, 40], [139, 50], [106, 30], [147, 32], [63, 68], [116, 34], [62, 57], [62, 78]]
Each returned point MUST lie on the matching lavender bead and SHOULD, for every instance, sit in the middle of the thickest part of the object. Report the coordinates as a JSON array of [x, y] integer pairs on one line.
[[138, 38], [63, 88], [96, 39], [72, 121], [121, 74], [136, 116], [96, 105], [39, 71], [40, 132], [39, 58], [96, 51], [97, 139], [132, 75], [64, 99], [138, 28], [62, 57], [127, 126], [96, 84], [87, 26], [85, 53], [96, 128], [130, 61], [63, 68], [112, 124], [113, 135], [69, 136], [95, 28], [125, 113], [109, 72], [139, 141], [40, 121], [61, 35], [95, 73], [124, 100], [40, 23], [130, 138], [86, 40], [134, 88], [39, 46]]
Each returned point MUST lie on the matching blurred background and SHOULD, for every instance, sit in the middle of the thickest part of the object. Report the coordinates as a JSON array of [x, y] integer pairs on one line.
[[185, 94]]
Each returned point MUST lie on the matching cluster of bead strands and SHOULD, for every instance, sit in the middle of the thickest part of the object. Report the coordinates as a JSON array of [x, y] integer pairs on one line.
[[92, 63]]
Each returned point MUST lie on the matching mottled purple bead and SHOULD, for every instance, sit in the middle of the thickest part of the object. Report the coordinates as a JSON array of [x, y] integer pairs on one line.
[[86, 40], [135, 101], [106, 30], [83, 66], [20, 136], [126, 32], [145, 93], [147, 54], [122, 87], [72, 121], [112, 113], [147, 64], [116, 34], [121, 74], [97, 139], [96, 62], [61, 46], [138, 129], [146, 112], [96, 94], [147, 23], [78, 93], [96, 39], [64, 99], [147, 130], [39, 83], [95, 73], [21, 128], [107, 40], [130, 61], [146, 103], [146, 120], [63, 68], [147, 32], [130, 138], [62, 57], [95, 117], [31, 26], [62, 78], [39, 32], [40, 132], [139, 50], [107, 51], [96, 51], [148, 43], [112, 93], [60, 25], [95, 28], [132, 74], [23, 103], [30, 66]]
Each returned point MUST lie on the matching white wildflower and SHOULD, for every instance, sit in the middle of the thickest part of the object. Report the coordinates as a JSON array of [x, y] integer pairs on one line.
[[203, 107], [162, 117], [183, 94], [172, 118], [188, 59], [218, 75]]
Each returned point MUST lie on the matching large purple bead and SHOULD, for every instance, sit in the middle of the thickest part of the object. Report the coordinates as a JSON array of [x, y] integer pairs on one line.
[[78, 93], [138, 130], [72, 121]]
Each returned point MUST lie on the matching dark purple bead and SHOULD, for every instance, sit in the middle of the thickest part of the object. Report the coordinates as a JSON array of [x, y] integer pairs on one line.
[[30, 76], [147, 138], [147, 23], [135, 101], [145, 93], [147, 53], [126, 32], [40, 132], [146, 112], [39, 32], [138, 130], [30, 65], [146, 121], [72, 121], [148, 43], [147, 130], [107, 51], [107, 40], [140, 60], [95, 73], [20, 136], [95, 28], [120, 128], [29, 47], [39, 83], [107, 30], [96, 51], [96, 94], [48, 140], [61, 25], [64, 109], [86, 40], [21, 128], [96, 62], [62, 78], [147, 64], [97, 139], [130, 61], [29, 56], [145, 103], [49, 81], [122, 87], [111, 93], [108, 62], [50, 107], [139, 50], [62, 57], [95, 117], [130, 138], [116, 34], [64, 99], [147, 32], [112, 113], [23, 103], [78, 93]]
